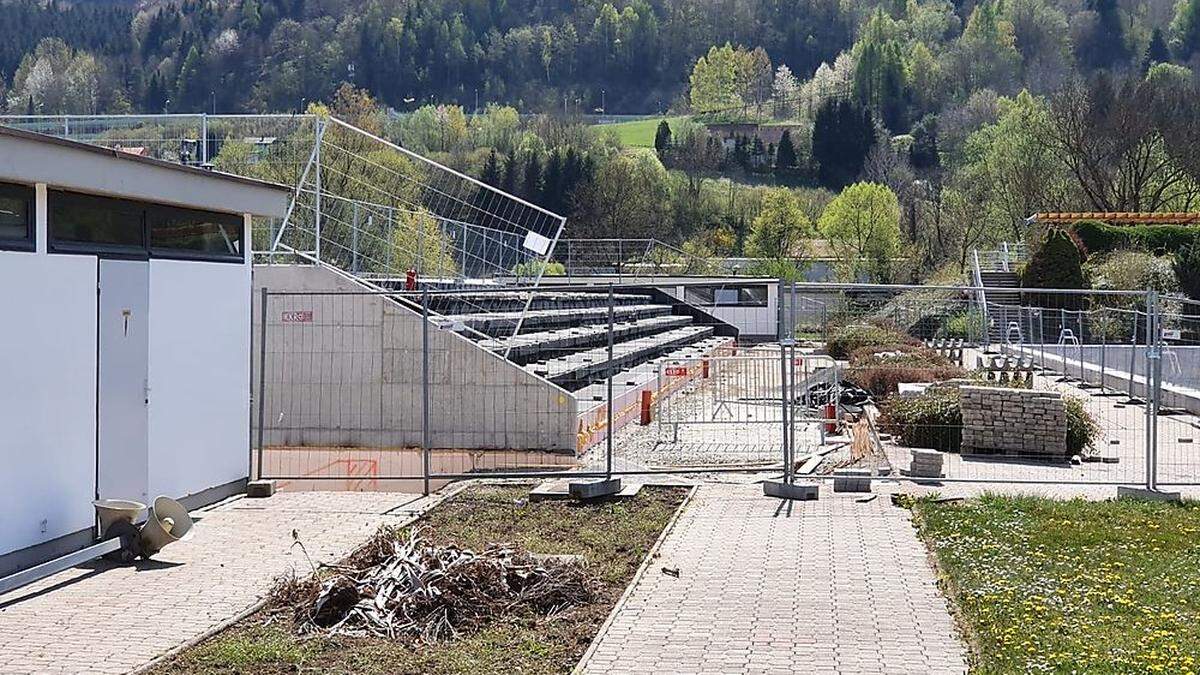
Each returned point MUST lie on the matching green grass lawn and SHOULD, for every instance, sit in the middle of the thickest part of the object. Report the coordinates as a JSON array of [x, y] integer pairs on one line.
[[1071, 586], [613, 538], [639, 133]]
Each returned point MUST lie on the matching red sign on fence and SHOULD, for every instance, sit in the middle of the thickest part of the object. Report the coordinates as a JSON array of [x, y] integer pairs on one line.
[[677, 371], [302, 316]]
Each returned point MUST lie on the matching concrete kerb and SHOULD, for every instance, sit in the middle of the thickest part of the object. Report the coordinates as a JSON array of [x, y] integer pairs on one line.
[[418, 510], [651, 555]]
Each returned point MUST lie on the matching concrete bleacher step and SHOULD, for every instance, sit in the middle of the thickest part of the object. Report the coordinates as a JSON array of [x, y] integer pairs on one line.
[[548, 344], [638, 375], [502, 324], [473, 303], [576, 369]]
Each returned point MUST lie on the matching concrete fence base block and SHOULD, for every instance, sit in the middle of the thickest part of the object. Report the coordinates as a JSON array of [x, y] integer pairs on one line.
[[797, 491], [594, 489], [1130, 492], [260, 488]]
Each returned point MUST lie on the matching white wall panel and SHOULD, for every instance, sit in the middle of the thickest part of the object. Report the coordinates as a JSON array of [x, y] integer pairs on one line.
[[47, 397], [199, 375]]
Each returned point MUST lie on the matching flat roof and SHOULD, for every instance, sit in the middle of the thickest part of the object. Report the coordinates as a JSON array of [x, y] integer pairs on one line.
[[28, 157]]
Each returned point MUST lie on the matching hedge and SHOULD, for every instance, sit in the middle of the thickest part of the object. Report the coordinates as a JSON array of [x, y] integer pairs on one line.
[[1098, 237]]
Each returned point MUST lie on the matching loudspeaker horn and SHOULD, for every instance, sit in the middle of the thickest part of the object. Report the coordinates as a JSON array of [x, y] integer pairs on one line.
[[113, 511], [168, 522]]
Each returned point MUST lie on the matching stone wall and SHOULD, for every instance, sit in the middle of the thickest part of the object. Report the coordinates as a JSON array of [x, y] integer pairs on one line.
[[1016, 421]]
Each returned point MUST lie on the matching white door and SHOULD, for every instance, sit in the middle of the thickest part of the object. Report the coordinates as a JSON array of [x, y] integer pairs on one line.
[[123, 451]]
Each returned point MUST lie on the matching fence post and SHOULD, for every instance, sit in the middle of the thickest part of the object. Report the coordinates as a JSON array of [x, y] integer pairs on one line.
[[1152, 358], [354, 240], [262, 376], [1153, 383], [319, 133], [425, 456], [612, 423], [783, 407]]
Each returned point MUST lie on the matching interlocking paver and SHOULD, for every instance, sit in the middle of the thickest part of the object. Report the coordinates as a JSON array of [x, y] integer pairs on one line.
[[826, 586], [113, 618]]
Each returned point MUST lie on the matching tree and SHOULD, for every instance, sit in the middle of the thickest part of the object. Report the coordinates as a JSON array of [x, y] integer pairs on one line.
[[714, 80], [785, 155], [780, 228], [662, 137], [1156, 51], [1016, 172], [880, 77], [627, 198], [531, 185], [843, 134], [1100, 36], [1056, 262], [508, 179], [53, 80], [785, 90], [862, 225], [1110, 138], [491, 169], [986, 55], [1185, 29]]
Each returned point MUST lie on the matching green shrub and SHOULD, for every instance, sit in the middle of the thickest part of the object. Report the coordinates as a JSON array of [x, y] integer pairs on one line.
[[1132, 270], [1082, 430], [966, 325], [1098, 237], [848, 339], [880, 371], [931, 420], [1057, 263], [934, 420], [532, 267], [1187, 274]]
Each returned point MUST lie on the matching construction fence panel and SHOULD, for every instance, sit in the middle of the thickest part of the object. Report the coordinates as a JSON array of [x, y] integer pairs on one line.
[[1042, 387]]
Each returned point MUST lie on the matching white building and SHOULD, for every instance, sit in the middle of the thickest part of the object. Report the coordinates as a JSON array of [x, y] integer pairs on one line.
[[124, 336]]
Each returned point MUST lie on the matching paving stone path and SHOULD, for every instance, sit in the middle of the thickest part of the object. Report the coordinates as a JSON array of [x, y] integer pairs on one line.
[[829, 586], [111, 619]]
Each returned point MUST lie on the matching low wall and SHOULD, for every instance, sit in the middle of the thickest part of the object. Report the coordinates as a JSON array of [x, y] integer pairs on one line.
[[1018, 421], [345, 369]]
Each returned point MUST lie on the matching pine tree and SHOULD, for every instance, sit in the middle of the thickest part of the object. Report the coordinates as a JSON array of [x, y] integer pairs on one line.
[[843, 134], [552, 182], [1156, 51], [531, 186], [509, 181], [491, 169], [662, 137], [785, 156]]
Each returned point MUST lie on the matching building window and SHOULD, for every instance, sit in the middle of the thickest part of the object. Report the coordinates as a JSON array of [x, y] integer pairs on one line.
[[82, 223], [87, 224], [185, 233], [16, 217], [726, 296]]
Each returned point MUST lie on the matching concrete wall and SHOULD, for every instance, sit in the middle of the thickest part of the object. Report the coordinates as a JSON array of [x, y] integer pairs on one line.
[[345, 369], [1021, 421]]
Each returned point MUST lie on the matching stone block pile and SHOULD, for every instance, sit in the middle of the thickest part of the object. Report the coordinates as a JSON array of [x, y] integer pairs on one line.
[[1023, 422]]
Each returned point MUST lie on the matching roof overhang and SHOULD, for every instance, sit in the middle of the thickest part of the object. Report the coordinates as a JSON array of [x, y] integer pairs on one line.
[[29, 158], [1116, 217]]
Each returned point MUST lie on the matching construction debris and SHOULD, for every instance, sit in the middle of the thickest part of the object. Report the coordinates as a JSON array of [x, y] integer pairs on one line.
[[406, 588]]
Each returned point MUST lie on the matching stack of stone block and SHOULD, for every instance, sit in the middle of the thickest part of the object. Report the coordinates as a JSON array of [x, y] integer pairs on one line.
[[1014, 421], [852, 480], [925, 464]]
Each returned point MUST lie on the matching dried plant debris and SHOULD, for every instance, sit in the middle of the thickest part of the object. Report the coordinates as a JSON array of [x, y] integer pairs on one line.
[[402, 587]]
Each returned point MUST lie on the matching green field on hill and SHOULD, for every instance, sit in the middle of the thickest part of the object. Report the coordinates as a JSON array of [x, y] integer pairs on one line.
[[638, 133]]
